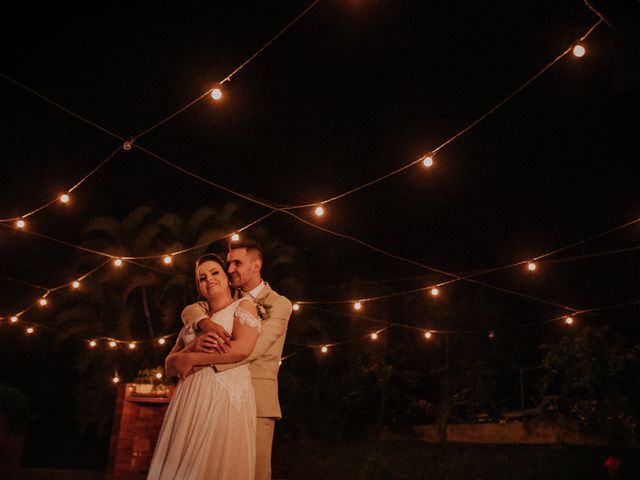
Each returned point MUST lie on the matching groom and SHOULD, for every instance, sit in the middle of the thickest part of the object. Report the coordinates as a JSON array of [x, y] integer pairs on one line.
[[245, 264]]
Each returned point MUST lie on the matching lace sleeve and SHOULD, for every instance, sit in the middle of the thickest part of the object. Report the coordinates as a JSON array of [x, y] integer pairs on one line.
[[247, 318]]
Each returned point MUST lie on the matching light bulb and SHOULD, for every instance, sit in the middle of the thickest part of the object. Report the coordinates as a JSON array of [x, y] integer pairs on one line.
[[64, 198], [235, 237], [117, 262], [42, 301], [579, 51], [296, 307], [216, 94], [324, 349], [531, 266], [427, 161], [132, 346], [21, 223], [319, 211], [568, 320], [374, 336], [357, 306], [162, 341], [75, 284], [14, 319], [113, 344], [492, 334], [93, 343], [167, 259], [427, 335], [435, 292], [116, 379], [158, 375], [30, 330]]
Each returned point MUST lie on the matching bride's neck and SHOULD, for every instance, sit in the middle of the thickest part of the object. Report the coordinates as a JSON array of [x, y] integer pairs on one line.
[[219, 301]]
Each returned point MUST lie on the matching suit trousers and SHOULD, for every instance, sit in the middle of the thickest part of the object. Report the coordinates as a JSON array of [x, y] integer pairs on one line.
[[264, 443]]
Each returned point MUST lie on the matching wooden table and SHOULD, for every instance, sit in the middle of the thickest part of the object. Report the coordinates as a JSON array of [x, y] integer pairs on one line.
[[136, 426]]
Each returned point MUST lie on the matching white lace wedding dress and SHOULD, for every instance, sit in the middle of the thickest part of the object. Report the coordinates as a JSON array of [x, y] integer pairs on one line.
[[210, 426]]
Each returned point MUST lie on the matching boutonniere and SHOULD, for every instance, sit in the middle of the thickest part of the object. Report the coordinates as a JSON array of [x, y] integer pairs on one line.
[[263, 309]]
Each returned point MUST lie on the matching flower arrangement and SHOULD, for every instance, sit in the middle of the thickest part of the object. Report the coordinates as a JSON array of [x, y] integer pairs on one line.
[[151, 381], [263, 309]]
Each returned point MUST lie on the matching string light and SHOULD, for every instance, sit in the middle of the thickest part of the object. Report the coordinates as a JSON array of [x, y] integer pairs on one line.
[[357, 306], [21, 223], [162, 341], [531, 265], [296, 307], [30, 330], [158, 375], [216, 94], [93, 343], [42, 301], [235, 237], [117, 262], [132, 345], [64, 198], [324, 349], [319, 211], [127, 145], [435, 292], [167, 259], [492, 334], [116, 379], [427, 161], [374, 336], [428, 335], [112, 344], [568, 320], [75, 284], [579, 51], [14, 319]]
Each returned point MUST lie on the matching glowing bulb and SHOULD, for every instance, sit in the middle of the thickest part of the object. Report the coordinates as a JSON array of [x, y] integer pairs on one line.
[[158, 375], [127, 144], [492, 334], [428, 335], [113, 344], [435, 292], [579, 51], [568, 320], [14, 319], [64, 198], [319, 211], [162, 341], [374, 336], [93, 343], [235, 237], [324, 349], [75, 284], [531, 266], [167, 259], [117, 262], [296, 307], [30, 330], [42, 301], [357, 306], [116, 379], [132, 346], [21, 223], [427, 161], [216, 94]]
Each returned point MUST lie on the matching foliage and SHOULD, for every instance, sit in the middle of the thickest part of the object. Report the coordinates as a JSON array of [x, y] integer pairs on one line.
[[597, 376], [154, 376]]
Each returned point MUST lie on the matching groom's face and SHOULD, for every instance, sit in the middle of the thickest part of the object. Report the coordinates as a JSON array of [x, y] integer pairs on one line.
[[244, 267]]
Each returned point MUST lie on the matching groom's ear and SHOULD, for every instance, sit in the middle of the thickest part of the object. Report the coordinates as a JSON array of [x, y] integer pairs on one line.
[[258, 264]]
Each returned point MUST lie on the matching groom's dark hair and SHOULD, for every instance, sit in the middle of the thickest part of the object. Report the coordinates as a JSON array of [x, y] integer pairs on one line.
[[251, 245]]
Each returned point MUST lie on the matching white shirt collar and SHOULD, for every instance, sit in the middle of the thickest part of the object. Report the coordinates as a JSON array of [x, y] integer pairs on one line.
[[255, 291]]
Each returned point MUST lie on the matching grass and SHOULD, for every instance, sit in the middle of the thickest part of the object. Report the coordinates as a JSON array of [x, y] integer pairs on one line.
[[405, 460]]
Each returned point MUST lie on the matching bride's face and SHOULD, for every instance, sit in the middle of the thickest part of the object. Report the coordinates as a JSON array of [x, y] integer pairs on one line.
[[212, 279]]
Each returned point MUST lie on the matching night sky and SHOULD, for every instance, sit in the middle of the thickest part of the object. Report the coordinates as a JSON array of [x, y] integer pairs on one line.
[[354, 90]]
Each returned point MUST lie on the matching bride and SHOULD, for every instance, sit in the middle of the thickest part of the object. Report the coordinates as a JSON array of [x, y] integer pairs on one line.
[[209, 428]]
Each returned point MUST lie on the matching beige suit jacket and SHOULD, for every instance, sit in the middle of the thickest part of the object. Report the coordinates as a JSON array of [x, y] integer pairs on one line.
[[264, 361]]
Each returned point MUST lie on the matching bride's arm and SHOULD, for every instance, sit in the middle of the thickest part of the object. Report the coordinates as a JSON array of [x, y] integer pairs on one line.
[[245, 334]]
